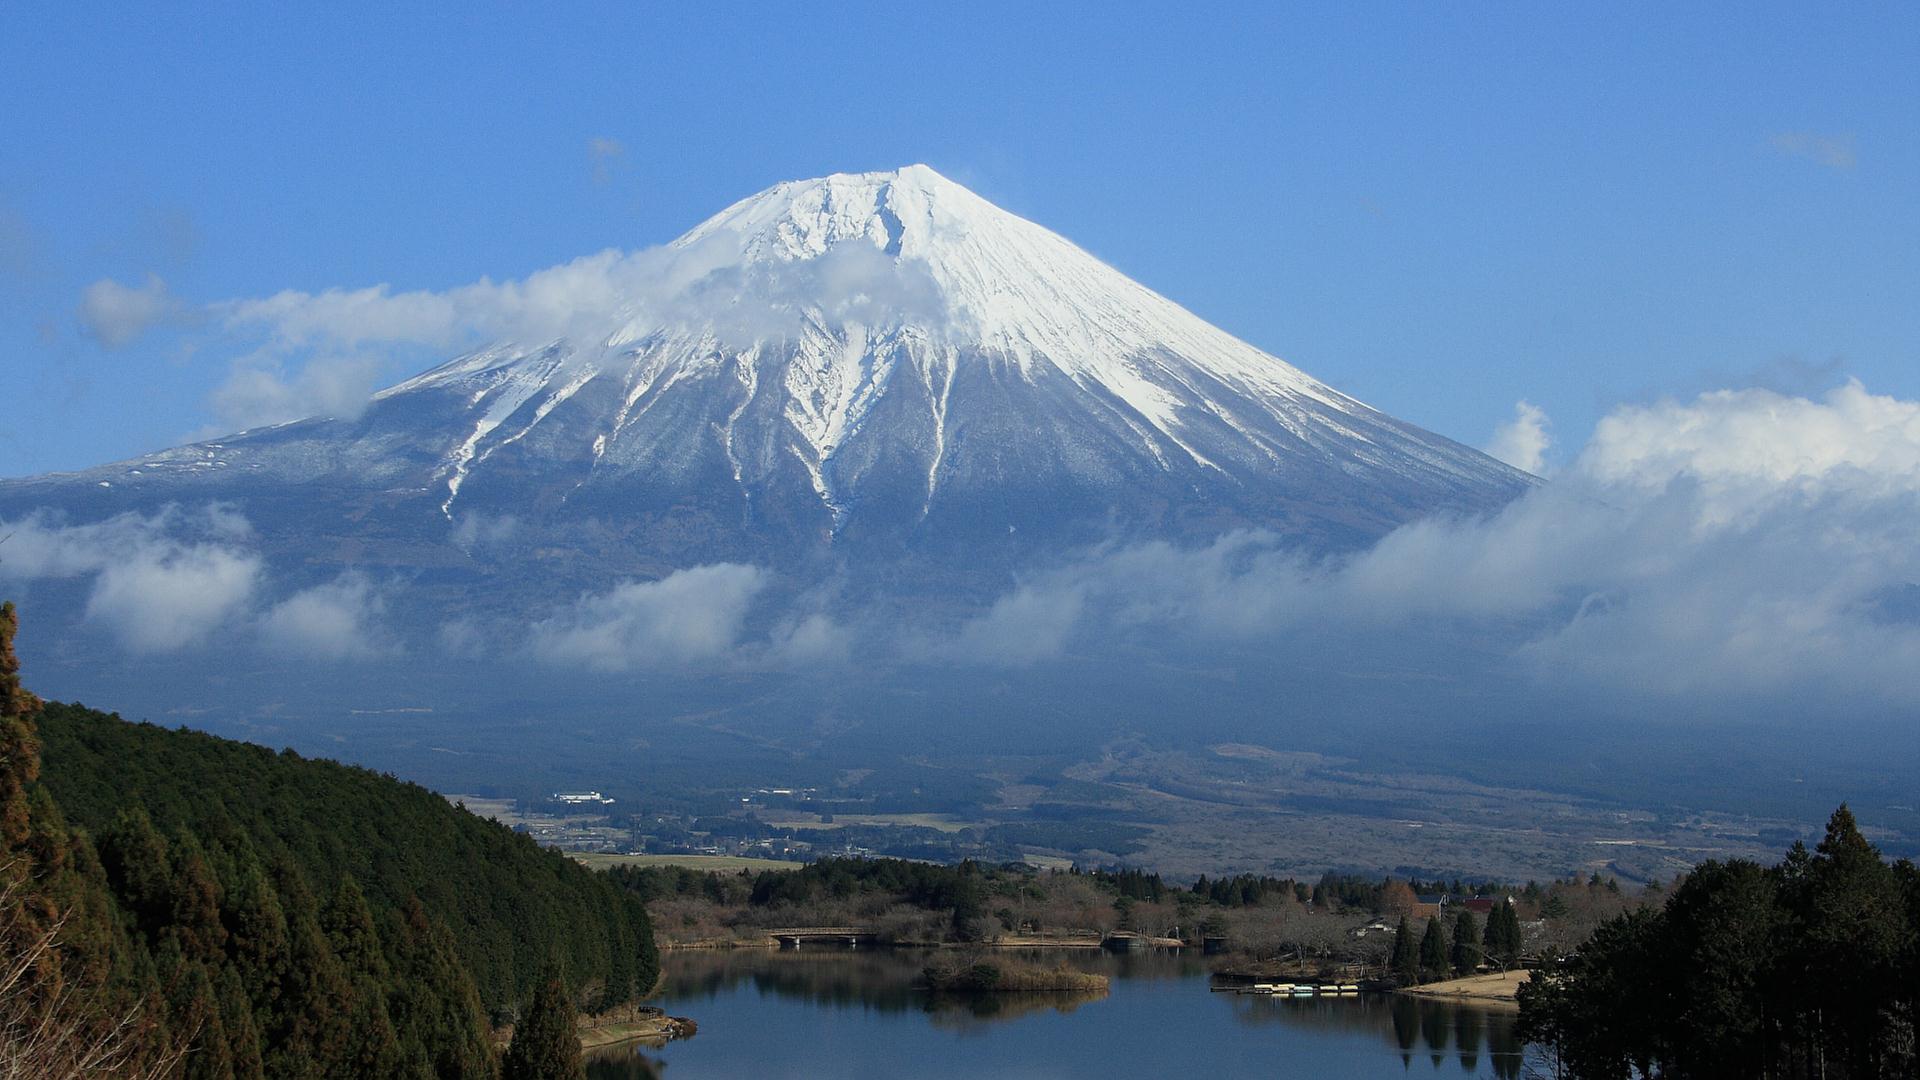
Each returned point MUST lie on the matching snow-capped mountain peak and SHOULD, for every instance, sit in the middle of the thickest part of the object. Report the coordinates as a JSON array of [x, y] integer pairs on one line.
[[1004, 283], [884, 358]]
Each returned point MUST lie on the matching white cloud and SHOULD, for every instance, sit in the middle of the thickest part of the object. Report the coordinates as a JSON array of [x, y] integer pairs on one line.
[[1734, 547], [474, 531], [552, 303], [810, 641], [1522, 442], [114, 314], [690, 616], [307, 354], [612, 296], [162, 601], [1833, 151], [1030, 625], [1762, 440], [161, 583], [335, 621], [257, 393]]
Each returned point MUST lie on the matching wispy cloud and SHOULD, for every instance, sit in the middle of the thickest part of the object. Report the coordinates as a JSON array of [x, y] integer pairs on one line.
[[475, 531], [259, 391], [691, 616], [1523, 441], [114, 314], [335, 621], [1833, 151], [161, 583], [700, 288], [296, 354], [604, 155], [170, 598]]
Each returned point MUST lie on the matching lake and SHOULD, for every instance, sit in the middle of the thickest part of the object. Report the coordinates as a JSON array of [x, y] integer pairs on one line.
[[825, 1013]]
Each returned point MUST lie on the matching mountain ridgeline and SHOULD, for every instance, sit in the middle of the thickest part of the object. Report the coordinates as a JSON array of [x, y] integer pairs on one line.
[[236, 912]]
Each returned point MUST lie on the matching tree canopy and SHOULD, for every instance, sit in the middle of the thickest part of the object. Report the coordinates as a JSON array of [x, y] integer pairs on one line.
[[233, 912], [1808, 968]]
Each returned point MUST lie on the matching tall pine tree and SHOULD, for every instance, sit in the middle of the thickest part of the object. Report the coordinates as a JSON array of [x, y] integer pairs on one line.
[[1433, 950], [1501, 938], [1406, 953], [546, 1043], [1465, 953], [19, 750]]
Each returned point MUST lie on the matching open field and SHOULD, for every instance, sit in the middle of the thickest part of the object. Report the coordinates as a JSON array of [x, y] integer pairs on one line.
[[1480, 989], [501, 810], [599, 861], [945, 823], [1244, 809]]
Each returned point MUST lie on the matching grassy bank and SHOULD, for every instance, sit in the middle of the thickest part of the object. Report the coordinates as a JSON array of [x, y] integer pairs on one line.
[[1478, 989]]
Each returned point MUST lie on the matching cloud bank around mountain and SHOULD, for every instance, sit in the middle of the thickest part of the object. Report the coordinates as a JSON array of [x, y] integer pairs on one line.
[[701, 287], [296, 354], [160, 583], [689, 616], [1742, 547], [1742, 544], [334, 621]]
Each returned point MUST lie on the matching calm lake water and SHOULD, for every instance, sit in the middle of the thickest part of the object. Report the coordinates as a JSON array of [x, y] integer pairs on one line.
[[817, 1013]]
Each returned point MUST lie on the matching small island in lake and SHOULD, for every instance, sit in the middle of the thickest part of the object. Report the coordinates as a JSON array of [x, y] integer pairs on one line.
[[976, 974]]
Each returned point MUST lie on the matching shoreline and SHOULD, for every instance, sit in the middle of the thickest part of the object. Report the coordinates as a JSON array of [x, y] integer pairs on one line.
[[1499, 989]]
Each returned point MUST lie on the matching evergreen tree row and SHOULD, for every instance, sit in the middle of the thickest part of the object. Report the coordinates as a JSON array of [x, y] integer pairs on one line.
[[1806, 969]]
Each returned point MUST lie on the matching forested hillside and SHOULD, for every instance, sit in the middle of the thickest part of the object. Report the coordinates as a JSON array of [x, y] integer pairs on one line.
[[171, 896]]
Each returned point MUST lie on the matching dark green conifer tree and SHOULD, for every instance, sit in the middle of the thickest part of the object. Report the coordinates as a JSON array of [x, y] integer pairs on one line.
[[257, 930], [373, 1049], [436, 1011], [969, 905], [1406, 953], [1501, 939], [310, 1028], [138, 863], [242, 1030], [1855, 934], [546, 1044], [1433, 951], [193, 1007], [194, 895], [1465, 952]]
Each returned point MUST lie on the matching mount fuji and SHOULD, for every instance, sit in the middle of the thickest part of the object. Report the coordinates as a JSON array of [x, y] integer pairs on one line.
[[857, 371]]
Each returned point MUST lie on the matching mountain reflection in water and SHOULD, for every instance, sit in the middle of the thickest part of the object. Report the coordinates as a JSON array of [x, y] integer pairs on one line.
[[815, 1012]]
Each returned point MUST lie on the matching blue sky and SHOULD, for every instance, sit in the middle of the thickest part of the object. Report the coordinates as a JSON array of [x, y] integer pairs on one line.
[[1439, 212]]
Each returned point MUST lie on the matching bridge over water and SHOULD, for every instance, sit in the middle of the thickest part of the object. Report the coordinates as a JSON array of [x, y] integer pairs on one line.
[[790, 937]]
